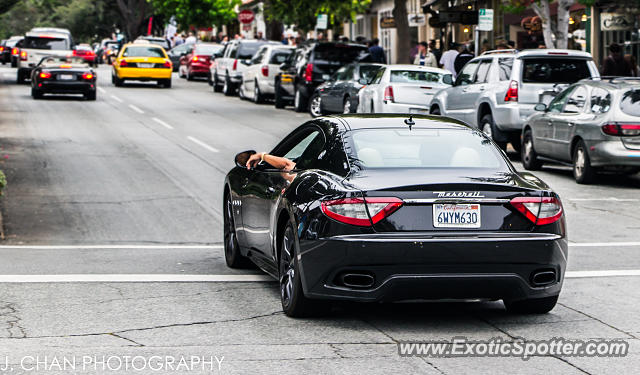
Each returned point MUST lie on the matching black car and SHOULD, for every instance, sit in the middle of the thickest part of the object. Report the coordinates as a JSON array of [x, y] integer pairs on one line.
[[340, 93], [311, 65], [11, 50], [63, 75], [385, 208]]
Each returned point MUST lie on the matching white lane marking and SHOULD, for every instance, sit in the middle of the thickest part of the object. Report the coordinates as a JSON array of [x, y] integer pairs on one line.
[[136, 108], [102, 90], [199, 142], [133, 278], [116, 99], [600, 273], [106, 247], [608, 199], [162, 123], [603, 244]]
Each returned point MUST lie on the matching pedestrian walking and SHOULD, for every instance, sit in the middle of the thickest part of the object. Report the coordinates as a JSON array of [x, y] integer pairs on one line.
[[377, 52], [449, 57], [424, 57], [435, 50], [191, 39], [615, 64]]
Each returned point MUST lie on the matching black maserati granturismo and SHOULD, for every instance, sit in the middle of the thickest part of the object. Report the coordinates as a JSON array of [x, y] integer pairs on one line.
[[395, 207]]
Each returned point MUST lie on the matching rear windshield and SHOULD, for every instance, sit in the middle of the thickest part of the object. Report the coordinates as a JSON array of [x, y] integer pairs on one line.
[[140, 51], [630, 103], [368, 72], [279, 57], [206, 49], [247, 50], [424, 148], [554, 70], [412, 76], [45, 43], [338, 54]]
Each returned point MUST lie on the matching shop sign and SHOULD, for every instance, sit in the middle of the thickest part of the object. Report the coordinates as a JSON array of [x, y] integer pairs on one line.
[[616, 21], [417, 19], [387, 23]]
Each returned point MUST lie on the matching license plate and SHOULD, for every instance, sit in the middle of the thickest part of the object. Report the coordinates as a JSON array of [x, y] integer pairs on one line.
[[456, 215], [146, 66], [66, 77]]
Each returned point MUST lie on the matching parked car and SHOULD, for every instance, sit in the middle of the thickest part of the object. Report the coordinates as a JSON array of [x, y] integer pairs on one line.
[[593, 124], [63, 75], [142, 62], [259, 77], [85, 52], [39, 43], [107, 51], [498, 90], [7, 45], [339, 94], [227, 75], [403, 89], [309, 66], [177, 52], [392, 207], [13, 50], [162, 42], [197, 62]]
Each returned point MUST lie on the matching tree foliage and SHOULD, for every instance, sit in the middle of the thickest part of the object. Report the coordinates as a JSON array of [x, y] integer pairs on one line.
[[303, 13], [198, 13]]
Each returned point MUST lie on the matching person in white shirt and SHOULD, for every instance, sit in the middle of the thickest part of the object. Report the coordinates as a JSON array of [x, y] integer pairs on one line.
[[448, 58], [191, 39]]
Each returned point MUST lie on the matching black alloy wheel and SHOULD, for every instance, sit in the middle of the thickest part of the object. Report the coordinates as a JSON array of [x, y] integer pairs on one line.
[[528, 154], [232, 254]]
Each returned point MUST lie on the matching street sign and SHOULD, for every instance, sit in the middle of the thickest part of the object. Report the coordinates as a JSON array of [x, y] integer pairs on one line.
[[417, 19], [616, 21], [322, 22], [245, 16], [485, 19], [387, 23]]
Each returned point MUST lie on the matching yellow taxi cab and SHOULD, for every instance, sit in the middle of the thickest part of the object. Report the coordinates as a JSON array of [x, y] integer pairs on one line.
[[142, 61]]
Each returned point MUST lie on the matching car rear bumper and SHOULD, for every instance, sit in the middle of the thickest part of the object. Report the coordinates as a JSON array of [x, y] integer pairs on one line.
[[612, 153], [144, 73], [409, 266], [512, 116], [200, 70], [406, 108], [66, 87]]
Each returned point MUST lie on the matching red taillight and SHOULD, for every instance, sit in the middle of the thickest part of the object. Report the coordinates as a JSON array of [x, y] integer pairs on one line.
[[235, 64], [123, 63], [539, 210], [194, 58], [15, 52], [23, 55], [265, 70], [1, 49], [167, 64], [388, 93], [87, 76], [512, 92], [625, 130], [308, 73], [360, 212], [45, 75]]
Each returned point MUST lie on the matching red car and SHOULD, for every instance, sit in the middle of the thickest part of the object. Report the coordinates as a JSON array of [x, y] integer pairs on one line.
[[196, 63], [85, 52]]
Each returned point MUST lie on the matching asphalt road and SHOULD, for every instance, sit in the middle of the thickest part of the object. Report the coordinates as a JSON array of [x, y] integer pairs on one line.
[[112, 221]]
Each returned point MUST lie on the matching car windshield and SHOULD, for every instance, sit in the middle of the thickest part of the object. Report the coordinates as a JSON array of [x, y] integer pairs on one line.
[[247, 50], [630, 103], [278, 57], [368, 71], [45, 43], [554, 70], [206, 49], [414, 76], [424, 148], [143, 51]]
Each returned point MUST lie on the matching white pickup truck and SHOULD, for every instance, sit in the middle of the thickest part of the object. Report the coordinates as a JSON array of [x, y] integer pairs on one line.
[[39, 43]]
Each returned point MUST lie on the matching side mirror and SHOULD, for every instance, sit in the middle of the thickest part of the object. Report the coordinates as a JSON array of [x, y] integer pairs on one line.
[[242, 158], [448, 79], [540, 107]]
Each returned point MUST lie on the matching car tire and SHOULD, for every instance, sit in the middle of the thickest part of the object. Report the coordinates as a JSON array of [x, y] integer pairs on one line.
[[36, 94], [528, 153], [117, 81], [216, 84], [278, 99], [583, 172], [258, 98], [347, 106], [227, 89], [299, 102], [20, 78], [294, 303], [90, 95], [488, 127], [315, 105], [232, 255], [532, 305]]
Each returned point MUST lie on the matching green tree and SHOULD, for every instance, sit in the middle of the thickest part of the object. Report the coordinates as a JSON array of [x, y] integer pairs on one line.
[[303, 13], [198, 13]]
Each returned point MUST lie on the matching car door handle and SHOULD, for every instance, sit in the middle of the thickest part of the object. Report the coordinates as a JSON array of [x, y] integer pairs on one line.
[[570, 124], [465, 89]]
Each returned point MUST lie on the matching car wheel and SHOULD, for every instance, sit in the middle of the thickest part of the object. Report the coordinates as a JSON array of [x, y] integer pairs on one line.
[[216, 84], [20, 77], [532, 305], [583, 172], [36, 94], [227, 89], [258, 98], [90, 95], [315, 106], [241, 92], [232, 254], [294, 302], [347, 106], [117, 81], [529, 157], [488, 127], [278, 100], [299, 102]]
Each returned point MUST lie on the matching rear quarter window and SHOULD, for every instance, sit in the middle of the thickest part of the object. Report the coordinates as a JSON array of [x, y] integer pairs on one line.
[[630, 102], [504, 69], [554, 70]]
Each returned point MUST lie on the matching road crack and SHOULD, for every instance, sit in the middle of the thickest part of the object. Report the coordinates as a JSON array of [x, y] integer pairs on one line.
[[9, 313]]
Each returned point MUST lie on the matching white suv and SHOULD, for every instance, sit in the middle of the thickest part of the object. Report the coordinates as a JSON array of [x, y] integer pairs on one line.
[[498, 90], [39, 43]]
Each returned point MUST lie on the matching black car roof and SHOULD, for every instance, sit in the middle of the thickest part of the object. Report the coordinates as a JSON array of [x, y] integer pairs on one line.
[[387, 120]]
